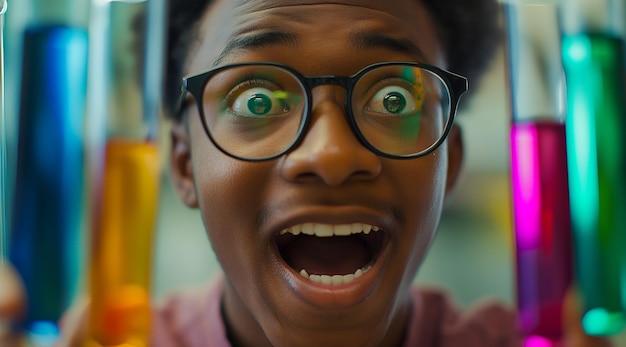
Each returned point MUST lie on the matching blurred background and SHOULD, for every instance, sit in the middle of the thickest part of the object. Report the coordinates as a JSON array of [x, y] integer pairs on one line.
[[472, 256]]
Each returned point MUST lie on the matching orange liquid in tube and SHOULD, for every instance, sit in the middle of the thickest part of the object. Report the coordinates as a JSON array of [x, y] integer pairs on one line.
[[122, 245]]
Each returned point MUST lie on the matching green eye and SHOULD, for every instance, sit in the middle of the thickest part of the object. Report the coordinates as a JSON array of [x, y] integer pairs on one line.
[[259, 104], [394, 102], [259, 101]]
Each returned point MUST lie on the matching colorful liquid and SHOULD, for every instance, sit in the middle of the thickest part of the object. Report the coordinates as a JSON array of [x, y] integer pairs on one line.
[[596, 147], [46, 213], [542, 226], [3, 149], [124, 220]]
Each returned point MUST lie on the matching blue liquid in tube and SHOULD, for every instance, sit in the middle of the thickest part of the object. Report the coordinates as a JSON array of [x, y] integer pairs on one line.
[[47, 205]]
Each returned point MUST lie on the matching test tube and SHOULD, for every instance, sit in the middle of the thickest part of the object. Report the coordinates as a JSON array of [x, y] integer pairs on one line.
[[593, 57], [125, 79], [539, 179], [4, 241], [46, 210]]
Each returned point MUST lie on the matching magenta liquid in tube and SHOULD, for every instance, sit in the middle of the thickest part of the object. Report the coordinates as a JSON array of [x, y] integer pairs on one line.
[[539, 181]]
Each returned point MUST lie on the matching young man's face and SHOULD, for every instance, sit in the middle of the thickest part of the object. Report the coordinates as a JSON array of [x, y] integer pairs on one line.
[[330, 179]]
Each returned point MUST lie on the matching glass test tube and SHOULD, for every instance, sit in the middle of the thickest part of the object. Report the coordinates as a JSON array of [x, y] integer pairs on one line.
[[4, 239], [124, 167], [593, 57], [543, 239], [46, 211]]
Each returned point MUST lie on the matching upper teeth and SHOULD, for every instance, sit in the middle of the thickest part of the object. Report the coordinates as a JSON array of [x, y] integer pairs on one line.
[[327, 230]]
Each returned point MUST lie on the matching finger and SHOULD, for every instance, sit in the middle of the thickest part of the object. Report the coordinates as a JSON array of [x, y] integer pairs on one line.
[[575, 336], [12, 306], [74, 325], [12, 296], [13, 340]]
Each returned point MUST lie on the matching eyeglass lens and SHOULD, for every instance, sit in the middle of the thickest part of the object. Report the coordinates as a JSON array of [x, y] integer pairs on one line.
[[258, 111]]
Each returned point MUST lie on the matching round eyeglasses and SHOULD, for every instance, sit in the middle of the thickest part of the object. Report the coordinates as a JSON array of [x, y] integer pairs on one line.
[[260, 111]]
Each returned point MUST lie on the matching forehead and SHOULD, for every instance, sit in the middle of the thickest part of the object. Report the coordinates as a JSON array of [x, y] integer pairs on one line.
[[313, 27]]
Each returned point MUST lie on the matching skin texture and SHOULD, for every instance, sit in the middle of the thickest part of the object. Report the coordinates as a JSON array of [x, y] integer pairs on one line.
[[330, 178]]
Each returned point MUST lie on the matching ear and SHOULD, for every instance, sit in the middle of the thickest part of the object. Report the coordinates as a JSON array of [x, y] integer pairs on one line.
[[455, 158], [180, 165]]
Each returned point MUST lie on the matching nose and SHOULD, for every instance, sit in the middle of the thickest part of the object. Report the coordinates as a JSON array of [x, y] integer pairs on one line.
[[330, 151]]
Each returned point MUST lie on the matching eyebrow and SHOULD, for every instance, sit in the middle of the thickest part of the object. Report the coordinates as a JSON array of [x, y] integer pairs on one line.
[[365, 41], [264, 39]]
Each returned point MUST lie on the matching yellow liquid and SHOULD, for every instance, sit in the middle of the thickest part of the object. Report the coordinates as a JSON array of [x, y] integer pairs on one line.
[[121, 251]]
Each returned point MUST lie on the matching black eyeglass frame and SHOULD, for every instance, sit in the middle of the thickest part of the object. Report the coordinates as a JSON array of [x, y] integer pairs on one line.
[[455, 84]]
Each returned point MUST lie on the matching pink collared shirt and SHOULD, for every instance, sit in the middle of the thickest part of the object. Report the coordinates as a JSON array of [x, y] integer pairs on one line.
[[193, 319]]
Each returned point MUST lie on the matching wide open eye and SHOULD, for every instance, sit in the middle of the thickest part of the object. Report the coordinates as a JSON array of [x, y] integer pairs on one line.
[[259, 101], [395, 100]]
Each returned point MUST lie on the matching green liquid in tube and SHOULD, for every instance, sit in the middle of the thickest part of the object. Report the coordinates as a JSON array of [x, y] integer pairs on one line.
[[596, 149]]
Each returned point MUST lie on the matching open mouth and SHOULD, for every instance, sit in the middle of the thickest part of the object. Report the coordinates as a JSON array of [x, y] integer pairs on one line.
[[331, 254]]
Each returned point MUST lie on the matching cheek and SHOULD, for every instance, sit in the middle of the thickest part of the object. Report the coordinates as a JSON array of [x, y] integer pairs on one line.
[[230, 194], [420, 187]]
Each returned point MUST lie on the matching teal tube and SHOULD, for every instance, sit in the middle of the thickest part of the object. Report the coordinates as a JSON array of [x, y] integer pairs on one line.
[[596, 149], [3, 147]]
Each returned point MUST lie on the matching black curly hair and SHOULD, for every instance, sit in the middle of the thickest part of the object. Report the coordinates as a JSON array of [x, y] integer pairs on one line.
[[469, 29]]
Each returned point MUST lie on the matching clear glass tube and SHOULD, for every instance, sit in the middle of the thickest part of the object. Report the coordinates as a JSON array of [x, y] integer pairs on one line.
[[534, 66], [124, 167], [66, 12], [543, 240], [593, 57]]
